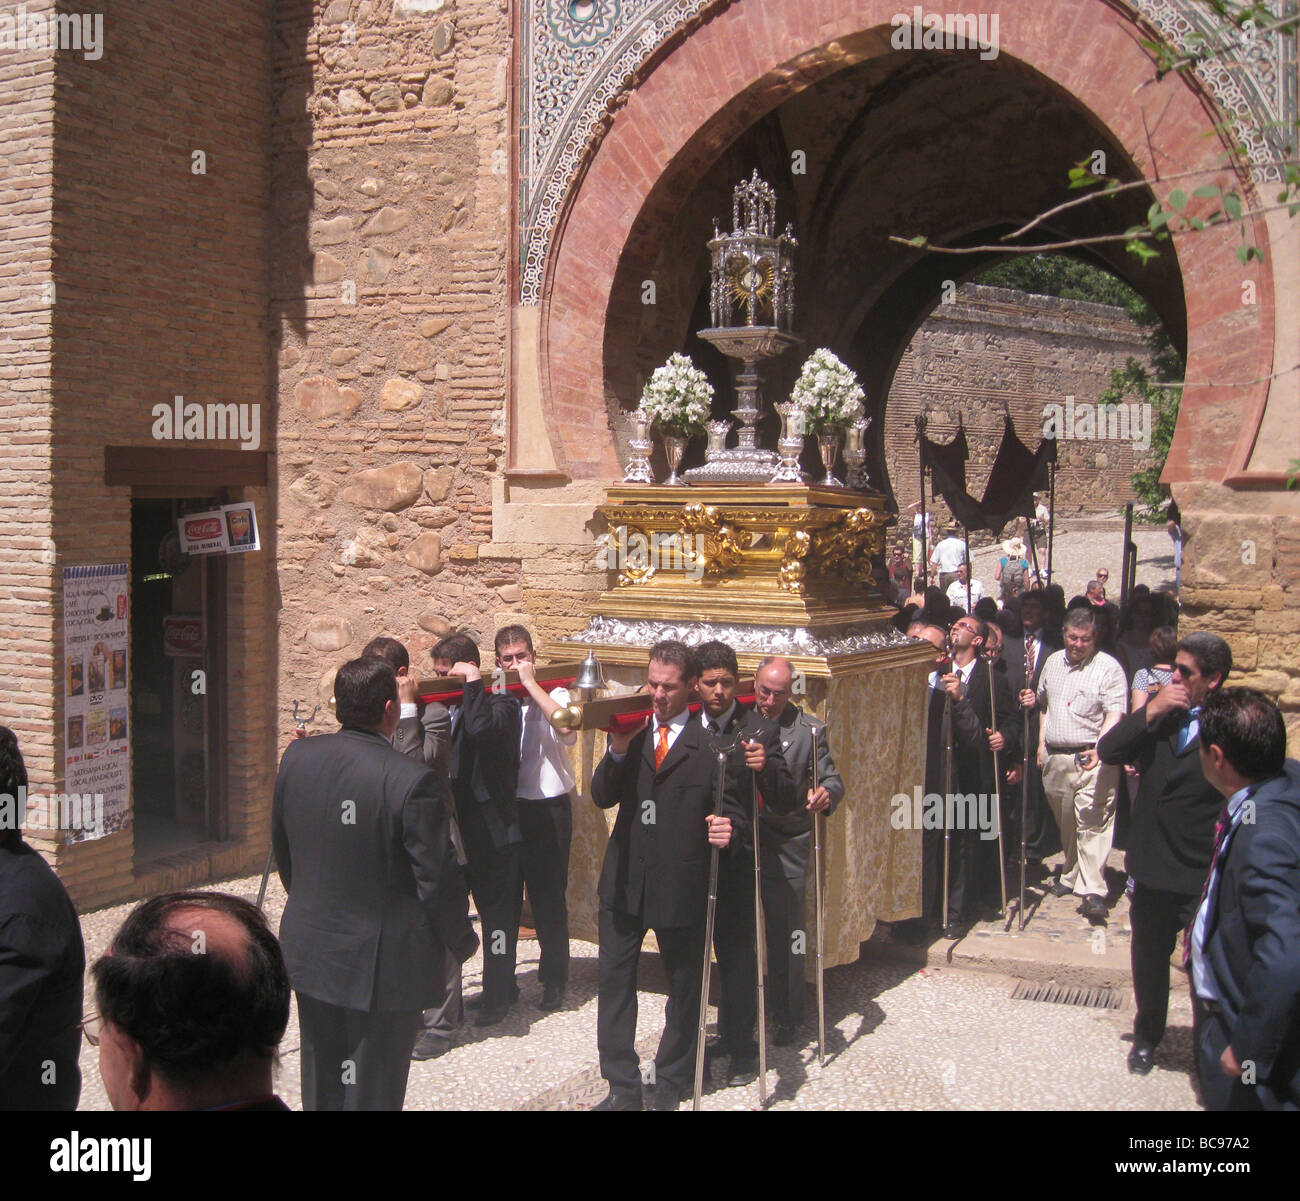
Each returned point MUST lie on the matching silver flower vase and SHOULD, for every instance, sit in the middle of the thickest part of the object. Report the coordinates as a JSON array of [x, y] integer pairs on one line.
[[828, 445], [790, 444], [675, 450], [638, 466], [855, 453]]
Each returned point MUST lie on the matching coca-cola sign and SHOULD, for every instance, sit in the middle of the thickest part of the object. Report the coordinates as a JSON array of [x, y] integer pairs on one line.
[[182, 636]]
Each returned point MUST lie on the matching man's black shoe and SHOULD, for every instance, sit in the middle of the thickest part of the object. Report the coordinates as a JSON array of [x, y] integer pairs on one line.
[[552, 998], [477, 1002], [619, 1101], [741, 1071], [1057, 889], [1141, 1059], [952, 932], [666, 1099], [430, 1046], [1094, 907], [490, 1015], [783, 1036]]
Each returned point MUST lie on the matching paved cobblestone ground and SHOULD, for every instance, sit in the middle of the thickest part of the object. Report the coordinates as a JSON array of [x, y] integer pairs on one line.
[[1081, 547], [900, 1036]]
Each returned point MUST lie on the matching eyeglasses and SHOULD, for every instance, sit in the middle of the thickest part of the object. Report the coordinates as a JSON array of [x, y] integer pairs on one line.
[[92, 1026], [1186, 672]]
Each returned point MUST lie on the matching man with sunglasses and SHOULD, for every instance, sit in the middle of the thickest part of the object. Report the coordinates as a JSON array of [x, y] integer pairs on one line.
[[1172, 837]]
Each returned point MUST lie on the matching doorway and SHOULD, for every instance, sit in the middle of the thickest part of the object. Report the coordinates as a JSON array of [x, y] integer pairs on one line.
[[176, 619]]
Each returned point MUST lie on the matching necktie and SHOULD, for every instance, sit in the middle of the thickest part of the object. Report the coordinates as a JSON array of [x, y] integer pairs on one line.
[[1221, 828], [661, 750], [1191, 726], [1030, 657]]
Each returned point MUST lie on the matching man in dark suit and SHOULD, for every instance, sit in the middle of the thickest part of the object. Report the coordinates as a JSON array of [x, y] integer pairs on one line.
[[424, 734], [485, 735], [973, 883], [1172, 835], [786, 840], [1031, 650], [361, 838], [662, 776], [42, 961], [1245, 939], [756, 745]]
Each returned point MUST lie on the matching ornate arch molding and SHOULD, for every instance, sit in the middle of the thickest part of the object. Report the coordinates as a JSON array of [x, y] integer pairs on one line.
[[581, 58]]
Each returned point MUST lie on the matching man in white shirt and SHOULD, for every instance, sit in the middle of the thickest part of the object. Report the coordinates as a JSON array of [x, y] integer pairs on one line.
[[947, 556], [957, 590], [545, 817], [1082, 693]]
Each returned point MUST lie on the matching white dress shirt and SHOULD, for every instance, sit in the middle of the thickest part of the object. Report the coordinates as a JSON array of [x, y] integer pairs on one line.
[[675, 726], [1203, 982], [544, 767]]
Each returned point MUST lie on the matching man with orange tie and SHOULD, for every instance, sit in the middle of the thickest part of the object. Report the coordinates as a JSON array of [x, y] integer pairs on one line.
[[661, 776]]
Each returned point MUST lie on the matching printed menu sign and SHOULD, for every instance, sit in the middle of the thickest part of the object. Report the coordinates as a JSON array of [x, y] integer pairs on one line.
[[97, 745]]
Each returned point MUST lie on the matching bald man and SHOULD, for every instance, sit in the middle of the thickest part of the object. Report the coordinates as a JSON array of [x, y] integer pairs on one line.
[[193, 999], [785, 840]]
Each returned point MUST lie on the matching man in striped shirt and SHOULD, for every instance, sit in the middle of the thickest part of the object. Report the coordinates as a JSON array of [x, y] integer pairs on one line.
[[1082, 692]]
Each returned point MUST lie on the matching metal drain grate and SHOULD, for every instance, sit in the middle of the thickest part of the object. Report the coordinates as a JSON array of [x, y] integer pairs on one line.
[[1098, 997]]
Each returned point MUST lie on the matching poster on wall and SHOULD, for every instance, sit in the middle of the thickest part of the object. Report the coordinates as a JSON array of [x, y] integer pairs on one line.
[[97, 742], [229, 530]]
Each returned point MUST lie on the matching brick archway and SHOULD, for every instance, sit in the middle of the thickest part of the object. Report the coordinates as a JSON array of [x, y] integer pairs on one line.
[[752, 57]]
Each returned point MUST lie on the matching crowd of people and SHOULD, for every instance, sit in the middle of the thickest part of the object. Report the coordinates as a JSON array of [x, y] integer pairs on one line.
[[1070, 712], [383, 830]]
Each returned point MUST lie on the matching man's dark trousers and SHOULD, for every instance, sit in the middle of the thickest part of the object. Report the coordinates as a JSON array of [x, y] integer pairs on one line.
[[681, 951], [1219, 1091], [788, 943], [1155, 917], [547, 827], [493, 875], [735, 949], [353, 1060]]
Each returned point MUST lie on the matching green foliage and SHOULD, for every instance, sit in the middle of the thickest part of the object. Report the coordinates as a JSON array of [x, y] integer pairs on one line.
[[1134, 381], [1070, 279]]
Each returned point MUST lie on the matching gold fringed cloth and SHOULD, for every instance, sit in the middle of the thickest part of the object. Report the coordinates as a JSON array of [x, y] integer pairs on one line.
[[873, 872]]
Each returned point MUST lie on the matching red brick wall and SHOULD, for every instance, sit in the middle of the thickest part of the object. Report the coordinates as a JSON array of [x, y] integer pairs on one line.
[[26, 419], [161, 290]]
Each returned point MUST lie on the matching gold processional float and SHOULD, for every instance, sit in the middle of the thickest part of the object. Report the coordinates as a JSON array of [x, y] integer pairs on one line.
[[746, 551]]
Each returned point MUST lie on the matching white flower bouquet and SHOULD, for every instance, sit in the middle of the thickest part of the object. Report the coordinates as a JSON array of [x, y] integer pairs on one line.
[[827, 393], [678, 397]]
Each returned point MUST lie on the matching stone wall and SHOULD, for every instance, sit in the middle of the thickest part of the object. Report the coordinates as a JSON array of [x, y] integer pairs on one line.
[[1241, 579], [390, 302], [993, 347]]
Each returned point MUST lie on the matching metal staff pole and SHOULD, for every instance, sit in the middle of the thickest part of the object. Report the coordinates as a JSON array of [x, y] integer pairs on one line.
[[718, 790], [1024, 793], [821, 919], [947, 791], [760, 950], [997, 788]]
